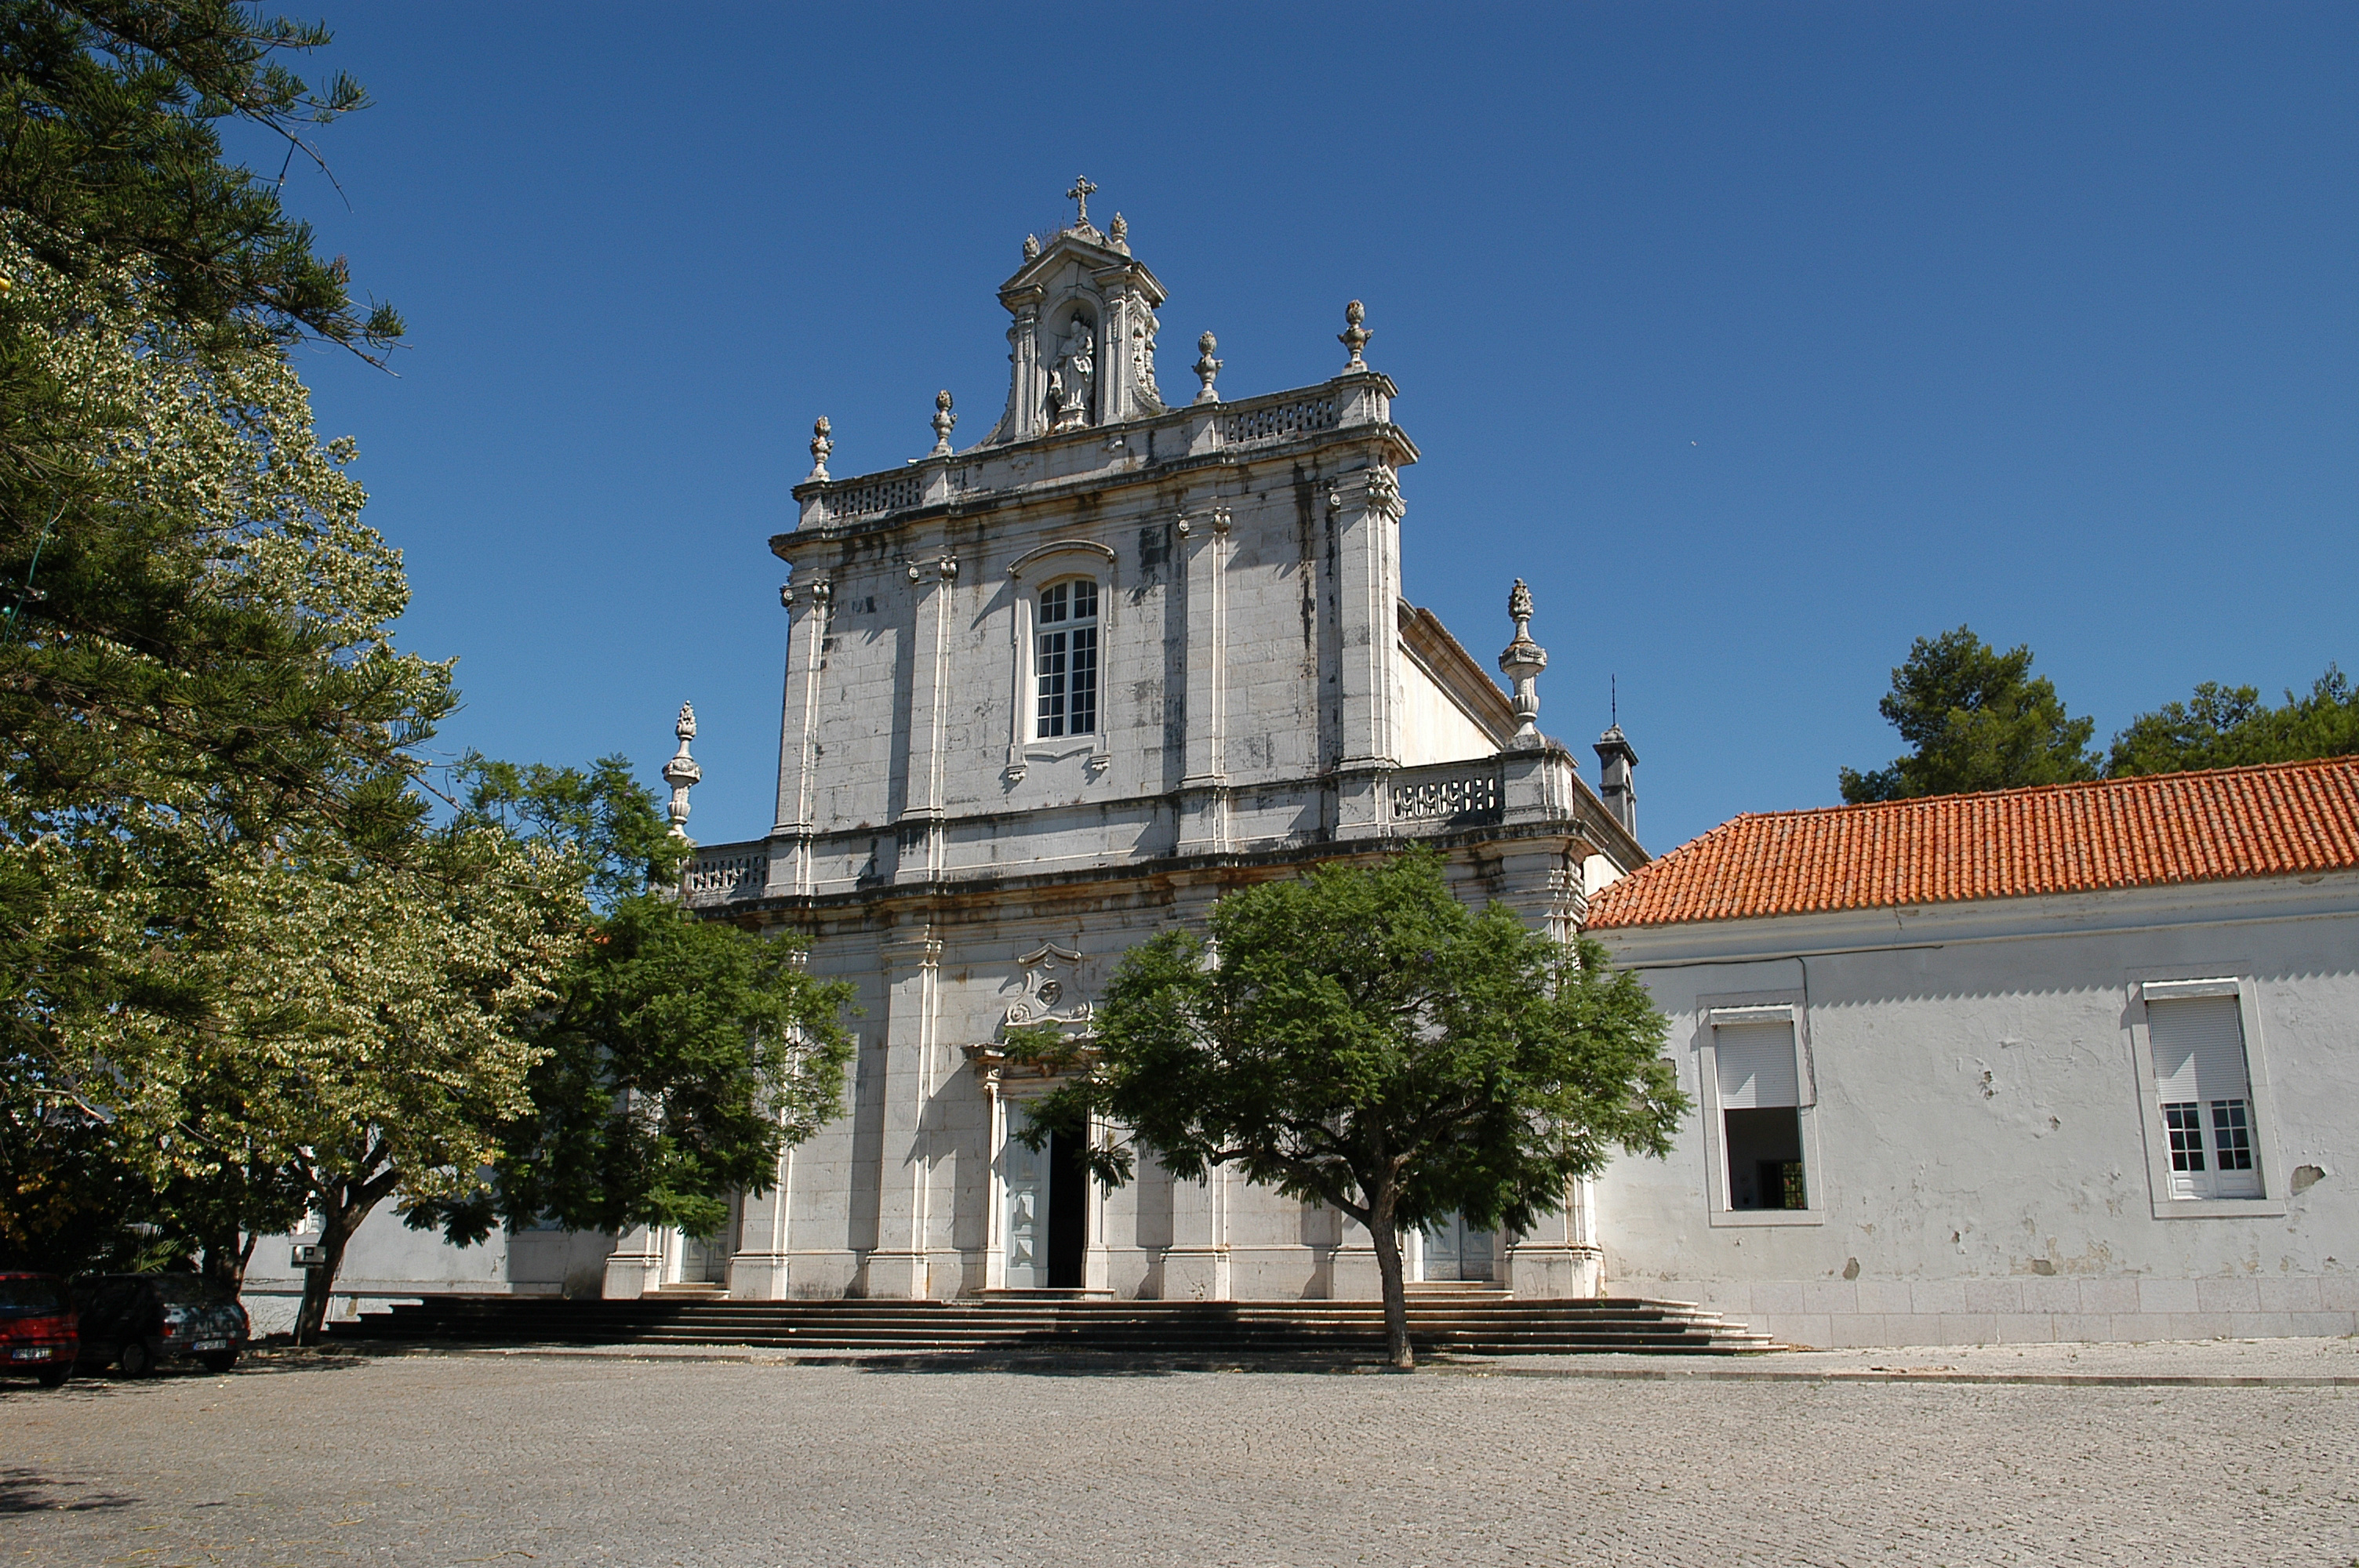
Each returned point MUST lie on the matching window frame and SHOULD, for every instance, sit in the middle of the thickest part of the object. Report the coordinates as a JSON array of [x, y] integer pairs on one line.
[[1067, 623], [1757, 1007], [1029, 575], [2179, 981]]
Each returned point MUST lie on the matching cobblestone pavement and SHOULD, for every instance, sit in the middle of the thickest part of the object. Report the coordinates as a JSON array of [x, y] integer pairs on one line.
[[447, 1459]]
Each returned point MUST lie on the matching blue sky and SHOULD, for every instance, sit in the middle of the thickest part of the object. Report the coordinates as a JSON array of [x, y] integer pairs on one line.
[[1758, 339]]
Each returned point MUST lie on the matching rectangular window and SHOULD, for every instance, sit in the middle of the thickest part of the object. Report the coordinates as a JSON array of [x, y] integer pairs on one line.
[[2205, 1089], [1761, 1118], [1066, 660]]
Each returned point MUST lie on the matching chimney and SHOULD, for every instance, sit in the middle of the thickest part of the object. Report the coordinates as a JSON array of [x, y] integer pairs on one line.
[[1615, 762]]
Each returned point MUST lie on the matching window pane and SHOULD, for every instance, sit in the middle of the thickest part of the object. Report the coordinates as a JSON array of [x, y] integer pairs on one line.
[[1085, 598], [1764, 1158], [2186, 1136], [2232, 1134], [1052, 604], [1081, 706], [1052, 683]]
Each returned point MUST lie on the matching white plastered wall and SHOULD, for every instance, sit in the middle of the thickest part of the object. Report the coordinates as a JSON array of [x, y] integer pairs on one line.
[[1983, 1141]]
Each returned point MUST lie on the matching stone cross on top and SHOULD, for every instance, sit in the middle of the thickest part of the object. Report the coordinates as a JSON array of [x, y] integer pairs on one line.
[[1081, 193]]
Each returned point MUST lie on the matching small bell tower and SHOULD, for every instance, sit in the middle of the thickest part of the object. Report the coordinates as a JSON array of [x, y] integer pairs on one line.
[[1081, 351]]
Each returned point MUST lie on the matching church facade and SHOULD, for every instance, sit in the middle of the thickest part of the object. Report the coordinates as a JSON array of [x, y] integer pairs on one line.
[[2069, 1063], [1051, 694]]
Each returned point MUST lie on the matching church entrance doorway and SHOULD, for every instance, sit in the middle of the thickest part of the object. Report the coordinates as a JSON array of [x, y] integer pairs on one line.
[[703, 1260], [1456, 1251], [1048, 1213]]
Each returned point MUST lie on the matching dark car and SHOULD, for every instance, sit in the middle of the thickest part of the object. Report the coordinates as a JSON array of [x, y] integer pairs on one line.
[[142, 1320], [36, 1327]]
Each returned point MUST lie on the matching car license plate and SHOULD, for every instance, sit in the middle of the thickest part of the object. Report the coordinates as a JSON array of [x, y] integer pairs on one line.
[[31, 1353], [212, 1344]]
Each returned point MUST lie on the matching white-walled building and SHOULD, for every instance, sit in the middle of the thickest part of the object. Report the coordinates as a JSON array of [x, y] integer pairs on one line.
[[2070, 1063], [1043, 698]]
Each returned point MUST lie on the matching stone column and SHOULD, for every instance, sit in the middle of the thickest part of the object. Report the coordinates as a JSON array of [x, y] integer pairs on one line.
[[635, 1268], [921, 822], [806, 613], [1353, 1275], [759, 1272], [1023, 355], [1364, 520], [1559, 1258], [1204, 547], [1196, 1267], [899, 1266]]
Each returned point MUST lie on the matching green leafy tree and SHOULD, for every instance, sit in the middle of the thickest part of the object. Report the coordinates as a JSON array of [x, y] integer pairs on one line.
[[2231, 727], [1359, 1038], [1977, 719], [110, 149], [145, 284], [680, 1056], [207, 823]]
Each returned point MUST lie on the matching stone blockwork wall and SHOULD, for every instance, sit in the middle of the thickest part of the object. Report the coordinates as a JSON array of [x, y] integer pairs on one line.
[[901, 1196]]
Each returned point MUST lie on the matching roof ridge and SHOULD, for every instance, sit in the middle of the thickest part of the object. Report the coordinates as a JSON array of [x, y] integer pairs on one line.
[[2258, 819], [2348, 760]]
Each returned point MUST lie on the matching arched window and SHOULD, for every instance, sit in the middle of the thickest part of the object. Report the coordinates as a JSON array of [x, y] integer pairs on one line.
[[1065, 659]]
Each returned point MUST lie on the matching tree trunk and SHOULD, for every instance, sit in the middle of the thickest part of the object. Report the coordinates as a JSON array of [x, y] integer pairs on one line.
[[343, 1206], [320, 1279], [1382, 1231]]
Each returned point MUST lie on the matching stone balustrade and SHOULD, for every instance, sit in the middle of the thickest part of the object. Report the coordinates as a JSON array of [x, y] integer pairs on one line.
[[1286, 417], [1191, 432], [727, 875], [875, 497], [1456, 795]]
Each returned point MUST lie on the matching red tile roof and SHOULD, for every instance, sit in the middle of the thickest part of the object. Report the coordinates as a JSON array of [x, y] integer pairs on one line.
[[2284, 819]]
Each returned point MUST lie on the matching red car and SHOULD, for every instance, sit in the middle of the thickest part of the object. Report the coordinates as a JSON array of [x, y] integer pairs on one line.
[[36, 1327]]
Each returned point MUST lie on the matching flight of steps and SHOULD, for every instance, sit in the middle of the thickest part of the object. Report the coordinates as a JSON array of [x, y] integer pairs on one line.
[[1460, 1320]]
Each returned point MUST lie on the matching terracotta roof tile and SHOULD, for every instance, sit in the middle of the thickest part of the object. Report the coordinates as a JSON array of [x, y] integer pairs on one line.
[[2284, 819]]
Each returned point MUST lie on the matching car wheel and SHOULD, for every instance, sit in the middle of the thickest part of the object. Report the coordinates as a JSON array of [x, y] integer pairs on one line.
[[55, 1377], [220, 1361], [137, 1359]]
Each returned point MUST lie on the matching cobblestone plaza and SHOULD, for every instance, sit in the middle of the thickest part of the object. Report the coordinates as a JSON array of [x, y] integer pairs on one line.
[[447, 1459]]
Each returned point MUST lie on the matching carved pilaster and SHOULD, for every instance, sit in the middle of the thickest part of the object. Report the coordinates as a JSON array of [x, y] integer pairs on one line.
[[921, 837], [1363, 509], [903, 1264]]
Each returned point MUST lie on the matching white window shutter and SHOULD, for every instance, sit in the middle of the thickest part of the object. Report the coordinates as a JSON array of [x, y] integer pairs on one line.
[[1756, 1065], [2198, 1050]]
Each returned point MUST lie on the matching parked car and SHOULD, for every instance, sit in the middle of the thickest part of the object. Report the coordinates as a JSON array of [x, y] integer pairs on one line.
[[36, 1327], [140, 1321]]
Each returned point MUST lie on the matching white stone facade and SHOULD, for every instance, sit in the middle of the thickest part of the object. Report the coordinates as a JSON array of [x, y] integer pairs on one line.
[[1984, 1145], [971, 838]]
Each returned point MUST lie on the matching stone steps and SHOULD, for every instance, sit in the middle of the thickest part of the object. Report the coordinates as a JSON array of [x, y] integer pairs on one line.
[[1477, 1322]]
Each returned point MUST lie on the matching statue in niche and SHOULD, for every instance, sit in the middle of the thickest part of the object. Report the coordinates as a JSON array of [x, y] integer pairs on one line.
[[1073, 376]]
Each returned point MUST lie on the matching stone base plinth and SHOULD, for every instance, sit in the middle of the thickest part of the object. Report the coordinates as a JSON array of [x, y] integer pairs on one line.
[[1555, 1273]]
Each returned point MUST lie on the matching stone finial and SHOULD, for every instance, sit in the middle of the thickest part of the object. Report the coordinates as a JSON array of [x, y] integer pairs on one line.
[[1522, 662], [682, 772], [1118, 233], [1031, 247], [1207, 367], [1079, 196], [943, 421], [821, 445], [1354, 336]]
